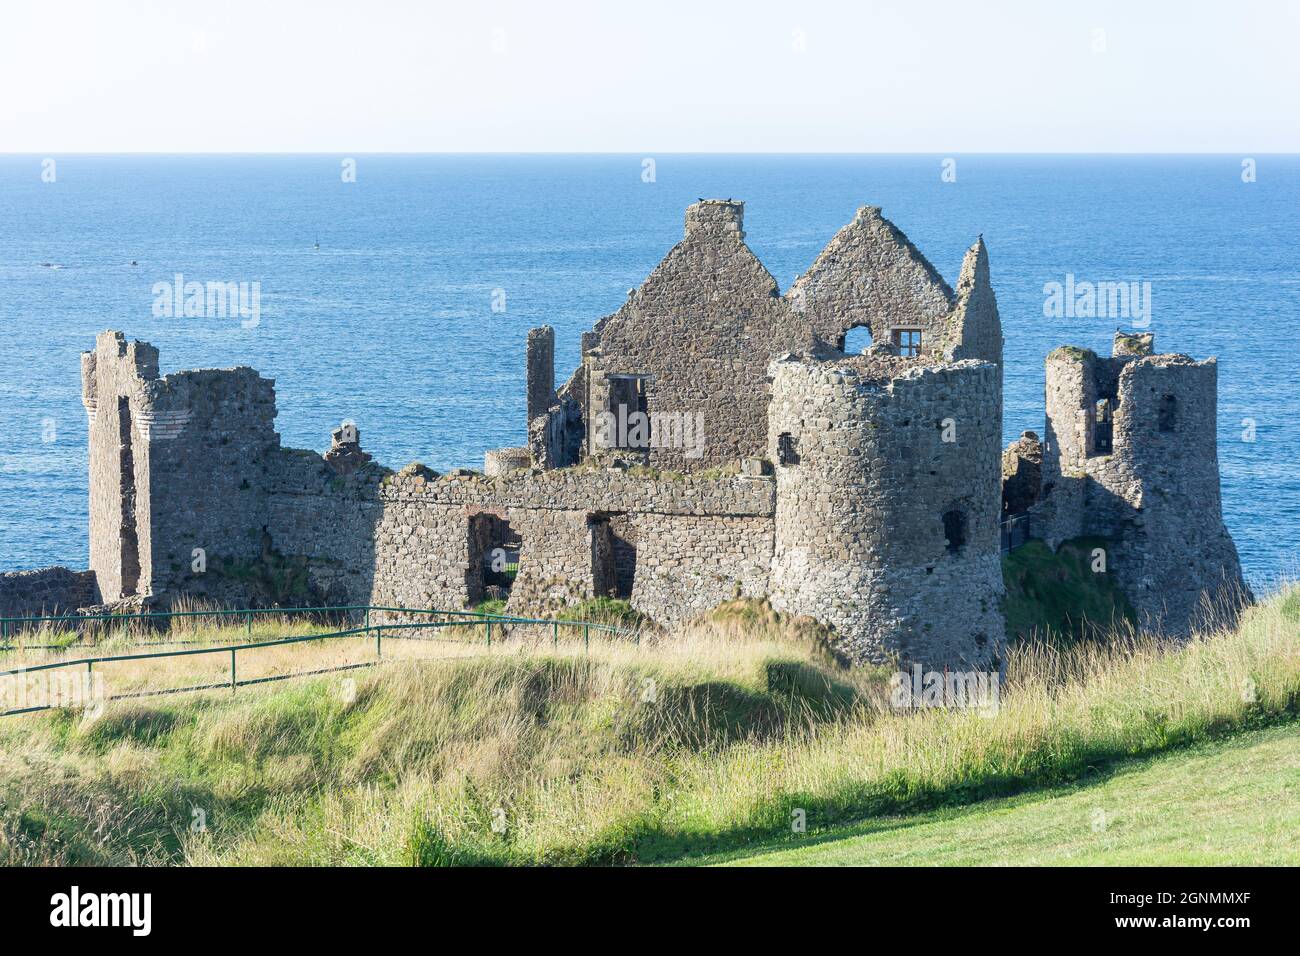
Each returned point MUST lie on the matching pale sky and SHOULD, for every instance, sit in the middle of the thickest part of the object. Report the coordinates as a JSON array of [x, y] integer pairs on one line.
[[659, 75]]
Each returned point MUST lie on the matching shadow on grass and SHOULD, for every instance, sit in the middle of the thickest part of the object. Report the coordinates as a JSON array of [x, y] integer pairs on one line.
[[897, 795]]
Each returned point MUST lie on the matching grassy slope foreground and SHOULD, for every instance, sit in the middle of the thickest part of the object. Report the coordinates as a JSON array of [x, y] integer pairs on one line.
[[705, 741], [1235, 801]]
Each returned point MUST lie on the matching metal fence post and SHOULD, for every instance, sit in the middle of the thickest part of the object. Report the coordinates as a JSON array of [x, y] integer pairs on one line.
[[489, 633], [232, 670], [379, 642], [555, 633], [586, 637]]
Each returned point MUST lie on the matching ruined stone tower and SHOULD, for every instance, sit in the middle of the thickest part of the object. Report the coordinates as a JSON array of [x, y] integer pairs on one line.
[[175, 465], [1130, 456], [886, 524]]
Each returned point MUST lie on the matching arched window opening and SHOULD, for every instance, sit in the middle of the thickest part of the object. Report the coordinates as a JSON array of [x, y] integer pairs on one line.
[[856, 340]]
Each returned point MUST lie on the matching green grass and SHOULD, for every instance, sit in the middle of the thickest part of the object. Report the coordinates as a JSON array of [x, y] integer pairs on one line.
[[605, 610], [1057, 597], [1224, 803]]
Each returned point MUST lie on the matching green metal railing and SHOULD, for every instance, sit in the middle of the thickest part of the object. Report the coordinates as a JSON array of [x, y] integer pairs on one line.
[[453, 619]]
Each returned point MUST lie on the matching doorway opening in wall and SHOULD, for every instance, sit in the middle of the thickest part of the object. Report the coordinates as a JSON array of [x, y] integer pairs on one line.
[[494, 552], [613, 555], [907, 341], [856, 340], [129, 536], [629, 405], [954, 530]]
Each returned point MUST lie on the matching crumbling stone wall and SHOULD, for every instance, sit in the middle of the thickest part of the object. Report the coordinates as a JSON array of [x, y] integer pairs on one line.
[[973, 329], [702, 328], [870, 275], [113, 379], [1154, 492], [1022, 474], [554, 420], [688, 564], [46, 592], [887, 508], [176, 464], [208, 468], [694, 539]]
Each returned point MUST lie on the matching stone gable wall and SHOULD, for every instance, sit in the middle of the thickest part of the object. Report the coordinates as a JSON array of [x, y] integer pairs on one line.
[[703, 325], [871, 275]]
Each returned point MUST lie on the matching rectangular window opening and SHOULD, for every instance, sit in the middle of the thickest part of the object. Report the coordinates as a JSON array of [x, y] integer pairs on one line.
[[629, 405], [907, 341]]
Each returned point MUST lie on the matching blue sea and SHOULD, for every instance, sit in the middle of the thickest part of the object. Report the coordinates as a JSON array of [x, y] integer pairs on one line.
[[410, 316]]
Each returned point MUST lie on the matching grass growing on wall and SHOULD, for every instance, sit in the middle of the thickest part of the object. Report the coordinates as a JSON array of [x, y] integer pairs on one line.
[[704, 740]]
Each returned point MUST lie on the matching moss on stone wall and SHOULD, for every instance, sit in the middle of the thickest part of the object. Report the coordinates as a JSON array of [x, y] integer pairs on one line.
[[1057, 597], [1072, 352]]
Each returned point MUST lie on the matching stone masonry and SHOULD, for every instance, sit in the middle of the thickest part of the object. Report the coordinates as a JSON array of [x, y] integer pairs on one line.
[[1130, 455], [696, 338], [862, 491]]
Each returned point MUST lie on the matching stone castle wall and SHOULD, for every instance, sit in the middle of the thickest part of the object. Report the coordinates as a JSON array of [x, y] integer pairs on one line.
[[869, 495], [408, 539], [177, 463], [47, 592]]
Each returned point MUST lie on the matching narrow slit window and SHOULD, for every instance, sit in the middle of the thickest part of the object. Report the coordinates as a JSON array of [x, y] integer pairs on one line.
[[1103, 427], [787, 449], [954, 530], [1167, 419]]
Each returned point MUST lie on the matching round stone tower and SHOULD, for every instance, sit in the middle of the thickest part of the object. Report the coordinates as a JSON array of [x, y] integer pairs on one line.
[[887, 506]]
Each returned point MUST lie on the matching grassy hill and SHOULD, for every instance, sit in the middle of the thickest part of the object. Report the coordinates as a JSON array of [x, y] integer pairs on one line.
[[712, 739], [1235, 801]]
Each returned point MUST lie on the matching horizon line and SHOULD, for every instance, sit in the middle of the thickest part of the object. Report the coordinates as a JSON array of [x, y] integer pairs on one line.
[[651, 152]]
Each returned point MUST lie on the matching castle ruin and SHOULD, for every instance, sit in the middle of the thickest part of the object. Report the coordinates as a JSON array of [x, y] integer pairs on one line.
[[715, 442]]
